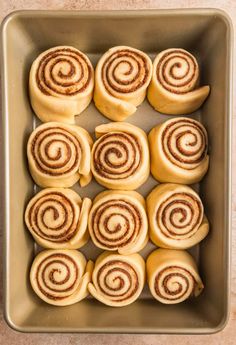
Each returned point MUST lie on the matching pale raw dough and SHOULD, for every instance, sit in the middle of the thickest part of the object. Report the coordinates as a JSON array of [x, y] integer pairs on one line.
[[172, 276], [109, 270], [121, 82], [61, 84], [178, 149], [118, 221], [176, 216], [49, 272], [59, 155], [126, 165], [176, 90], [57, 218]]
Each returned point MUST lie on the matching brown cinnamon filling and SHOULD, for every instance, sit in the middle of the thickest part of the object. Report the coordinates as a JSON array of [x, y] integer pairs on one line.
[[58, 259], [167, 135], [179, 199], [180, 291], [136, 82], [110, 169], [67, 142], [127, 236], [60, 56], [68, 208], [161, 70], [128, 271]]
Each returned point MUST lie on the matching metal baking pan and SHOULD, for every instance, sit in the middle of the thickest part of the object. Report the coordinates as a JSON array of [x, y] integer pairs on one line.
[[207, 33]]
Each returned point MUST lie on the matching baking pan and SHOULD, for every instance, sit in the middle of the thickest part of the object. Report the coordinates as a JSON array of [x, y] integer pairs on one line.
[[207, 33]]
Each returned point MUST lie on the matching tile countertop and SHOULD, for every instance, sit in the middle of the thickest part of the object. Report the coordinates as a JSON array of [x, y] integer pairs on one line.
[[227, 336]]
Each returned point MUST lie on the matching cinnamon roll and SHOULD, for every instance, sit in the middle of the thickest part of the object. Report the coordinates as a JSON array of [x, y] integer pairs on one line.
[[59, 155], [120, 157], [174, 86], [117, 280], [61, 277], [172, 276], [118, 221], [178, 149], [121, 79], [61, 84], [57, 218], [176, 216]]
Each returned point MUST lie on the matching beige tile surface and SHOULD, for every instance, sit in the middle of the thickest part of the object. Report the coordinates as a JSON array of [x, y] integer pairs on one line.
[[228, 335]]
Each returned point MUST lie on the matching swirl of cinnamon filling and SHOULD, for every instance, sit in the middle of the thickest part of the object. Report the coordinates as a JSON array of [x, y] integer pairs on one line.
[[118, 221], [172, 276], [116, 155], [185, 143], [174, 88], [56, 276], [117, 279], [121, 80], [179, 151], [60, 277], [176, 216], [125, 71], [177, 71], [174, 283], [53, 217], [63, 71], [56, 154], [57, 218], [120, 156], [180, 215], [56, 151]]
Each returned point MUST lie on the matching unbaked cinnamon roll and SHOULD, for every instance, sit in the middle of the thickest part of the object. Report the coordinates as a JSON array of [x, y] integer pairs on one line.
[[176, 216], [178, 149], [121, 79], [59, 155], [120, 156], [57, 218], [118, 221], [174, 86], [61, 277], [172, 276], [61, 84], [117, 280]]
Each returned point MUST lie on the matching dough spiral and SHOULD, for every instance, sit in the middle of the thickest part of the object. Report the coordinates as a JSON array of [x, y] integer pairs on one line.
[[176, 216], [178, 150], [118, 221], [61, 84], [172, 276], [60, 277], [57, 218], [59, 155], [121, 80], [174, 86], [120, 157], [117, 280]]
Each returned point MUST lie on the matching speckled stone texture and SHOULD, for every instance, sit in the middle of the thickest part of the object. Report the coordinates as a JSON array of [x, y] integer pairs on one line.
[[228, 335]]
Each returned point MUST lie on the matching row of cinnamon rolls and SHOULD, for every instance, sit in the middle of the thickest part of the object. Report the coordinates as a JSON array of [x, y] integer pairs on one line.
[[64, 277], [62, 80], [60, 155], [172, 217]]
